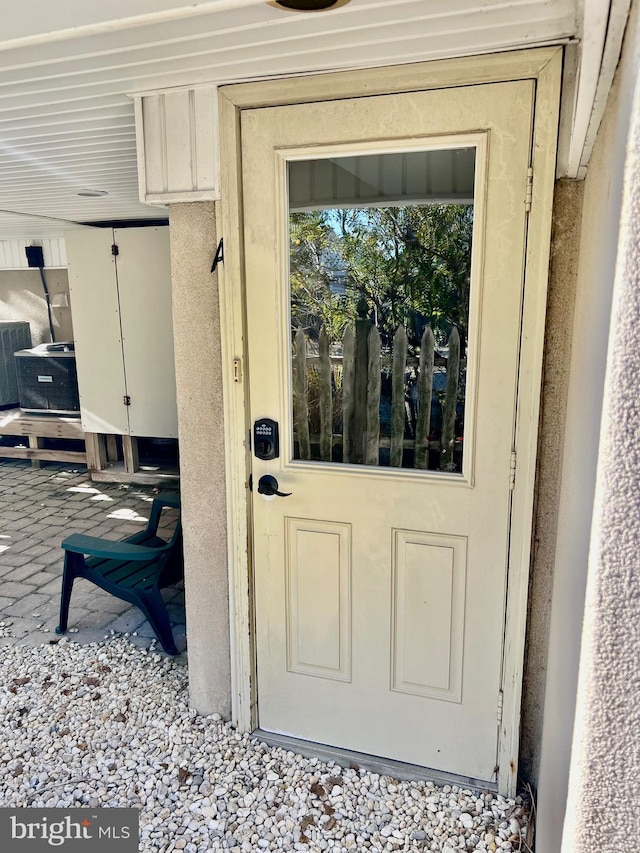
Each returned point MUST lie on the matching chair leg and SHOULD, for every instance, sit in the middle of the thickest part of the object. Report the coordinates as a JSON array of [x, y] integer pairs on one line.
[[154, 608], [68, 577]]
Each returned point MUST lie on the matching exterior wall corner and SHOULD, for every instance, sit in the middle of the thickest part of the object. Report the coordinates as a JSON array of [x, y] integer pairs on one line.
[[563, 275], [196, 328]]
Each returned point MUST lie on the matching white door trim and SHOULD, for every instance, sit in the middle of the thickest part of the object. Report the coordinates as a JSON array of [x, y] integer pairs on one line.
[[543, 65]]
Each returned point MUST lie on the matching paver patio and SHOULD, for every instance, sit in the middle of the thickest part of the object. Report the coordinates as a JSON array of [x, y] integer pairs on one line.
[[38, 508]]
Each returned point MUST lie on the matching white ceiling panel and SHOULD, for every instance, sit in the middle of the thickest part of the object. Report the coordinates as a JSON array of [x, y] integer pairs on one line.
[[40, 19], [67, 125]]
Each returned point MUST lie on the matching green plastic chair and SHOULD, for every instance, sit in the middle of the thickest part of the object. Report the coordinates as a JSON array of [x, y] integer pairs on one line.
[[134, 569]]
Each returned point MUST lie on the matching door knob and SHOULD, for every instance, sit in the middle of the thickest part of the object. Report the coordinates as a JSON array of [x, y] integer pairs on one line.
[[268, 485]]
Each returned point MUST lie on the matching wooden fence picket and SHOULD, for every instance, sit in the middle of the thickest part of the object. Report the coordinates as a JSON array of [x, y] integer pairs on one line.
[[397, 396], [425, 390], [348, 390], [360, 389], [301, 413], [372, 438], [450, 401], [324, 395], [358, 371]]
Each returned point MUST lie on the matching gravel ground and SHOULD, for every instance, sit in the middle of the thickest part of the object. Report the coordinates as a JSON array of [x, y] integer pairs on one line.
[[108, 724]]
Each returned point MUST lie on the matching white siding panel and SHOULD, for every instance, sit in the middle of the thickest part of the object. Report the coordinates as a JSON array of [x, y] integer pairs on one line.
[[153, 142], [205, 111], [178, 134], [178, 130], [13, 257], [228, 29], [73, 14], [68, 124], [57, 252]]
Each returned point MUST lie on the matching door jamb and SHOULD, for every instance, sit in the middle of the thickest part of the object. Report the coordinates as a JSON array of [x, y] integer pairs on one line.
[[544, 65]]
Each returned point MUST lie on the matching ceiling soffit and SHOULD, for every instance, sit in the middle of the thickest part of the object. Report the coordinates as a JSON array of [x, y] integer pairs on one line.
[[67, 125]]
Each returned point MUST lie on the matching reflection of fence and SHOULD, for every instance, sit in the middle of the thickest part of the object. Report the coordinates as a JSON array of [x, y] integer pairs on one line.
[[360, 370]]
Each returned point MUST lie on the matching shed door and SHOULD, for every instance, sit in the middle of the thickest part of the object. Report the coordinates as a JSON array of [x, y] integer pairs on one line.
[[384, 242]]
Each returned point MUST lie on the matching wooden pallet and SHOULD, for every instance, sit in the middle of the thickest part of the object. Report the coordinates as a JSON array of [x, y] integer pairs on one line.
[[36, 428], [100, 454], [107, 467]]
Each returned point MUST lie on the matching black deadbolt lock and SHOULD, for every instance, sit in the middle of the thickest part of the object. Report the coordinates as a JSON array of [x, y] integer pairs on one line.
[[265, 439]]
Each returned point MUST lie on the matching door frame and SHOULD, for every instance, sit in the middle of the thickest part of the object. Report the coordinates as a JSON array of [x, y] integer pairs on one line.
[[544, 66]]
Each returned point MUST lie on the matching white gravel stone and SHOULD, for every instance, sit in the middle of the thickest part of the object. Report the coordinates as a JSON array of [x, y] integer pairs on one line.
[[108, 725]]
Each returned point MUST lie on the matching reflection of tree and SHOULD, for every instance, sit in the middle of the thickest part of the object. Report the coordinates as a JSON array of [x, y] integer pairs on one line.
[[318, 276], [411, 265]]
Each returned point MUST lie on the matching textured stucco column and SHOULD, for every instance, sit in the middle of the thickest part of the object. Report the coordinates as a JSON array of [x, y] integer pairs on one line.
[[196, 329], [604, 789], [563, 277]]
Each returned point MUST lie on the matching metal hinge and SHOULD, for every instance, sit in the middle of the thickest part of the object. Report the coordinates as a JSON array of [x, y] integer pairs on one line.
[[115, 250], [500, 706], [237, 370], [126, 400], [512, 471], [529, 194]]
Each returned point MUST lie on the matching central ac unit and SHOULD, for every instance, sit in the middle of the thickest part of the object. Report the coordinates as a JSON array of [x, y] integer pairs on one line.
[[47, 379], [13, 337]]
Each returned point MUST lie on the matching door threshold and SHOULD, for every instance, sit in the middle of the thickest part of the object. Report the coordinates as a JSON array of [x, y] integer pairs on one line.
[[372, 763]]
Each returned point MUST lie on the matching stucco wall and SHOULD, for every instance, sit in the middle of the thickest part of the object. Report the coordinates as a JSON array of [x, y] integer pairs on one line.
[[196, 329], [604, 782], [598, 251], [22, 298], [563, 277]]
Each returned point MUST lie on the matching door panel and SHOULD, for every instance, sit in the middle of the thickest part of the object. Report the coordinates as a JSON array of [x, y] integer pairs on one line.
[[318, 598], [379, 583], [144, 286], [427, 611], [93, 289], [123, 330]]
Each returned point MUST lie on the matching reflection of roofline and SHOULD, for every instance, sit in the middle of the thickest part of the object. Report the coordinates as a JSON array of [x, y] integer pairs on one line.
[[405, 201]]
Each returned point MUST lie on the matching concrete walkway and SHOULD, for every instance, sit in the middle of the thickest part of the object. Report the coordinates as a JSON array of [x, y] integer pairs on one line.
[[38, 508]]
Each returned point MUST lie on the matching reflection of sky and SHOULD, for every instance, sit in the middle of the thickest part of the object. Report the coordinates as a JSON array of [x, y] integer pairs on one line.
[[334, 215], [333, 219]]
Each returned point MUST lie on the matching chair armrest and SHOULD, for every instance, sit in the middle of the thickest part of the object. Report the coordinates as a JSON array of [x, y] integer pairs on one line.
[[164, 499], [93, 546]]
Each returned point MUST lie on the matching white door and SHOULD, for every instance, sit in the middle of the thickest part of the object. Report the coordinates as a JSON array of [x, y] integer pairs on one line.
[[93, 288], [123, 330], [144, 291], [384, 241]]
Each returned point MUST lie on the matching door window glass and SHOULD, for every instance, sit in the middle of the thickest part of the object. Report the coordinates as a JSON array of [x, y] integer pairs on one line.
[[380, 272]]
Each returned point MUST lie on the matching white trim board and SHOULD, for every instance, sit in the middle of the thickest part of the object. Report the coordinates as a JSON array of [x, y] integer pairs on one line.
[[590, 67]]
